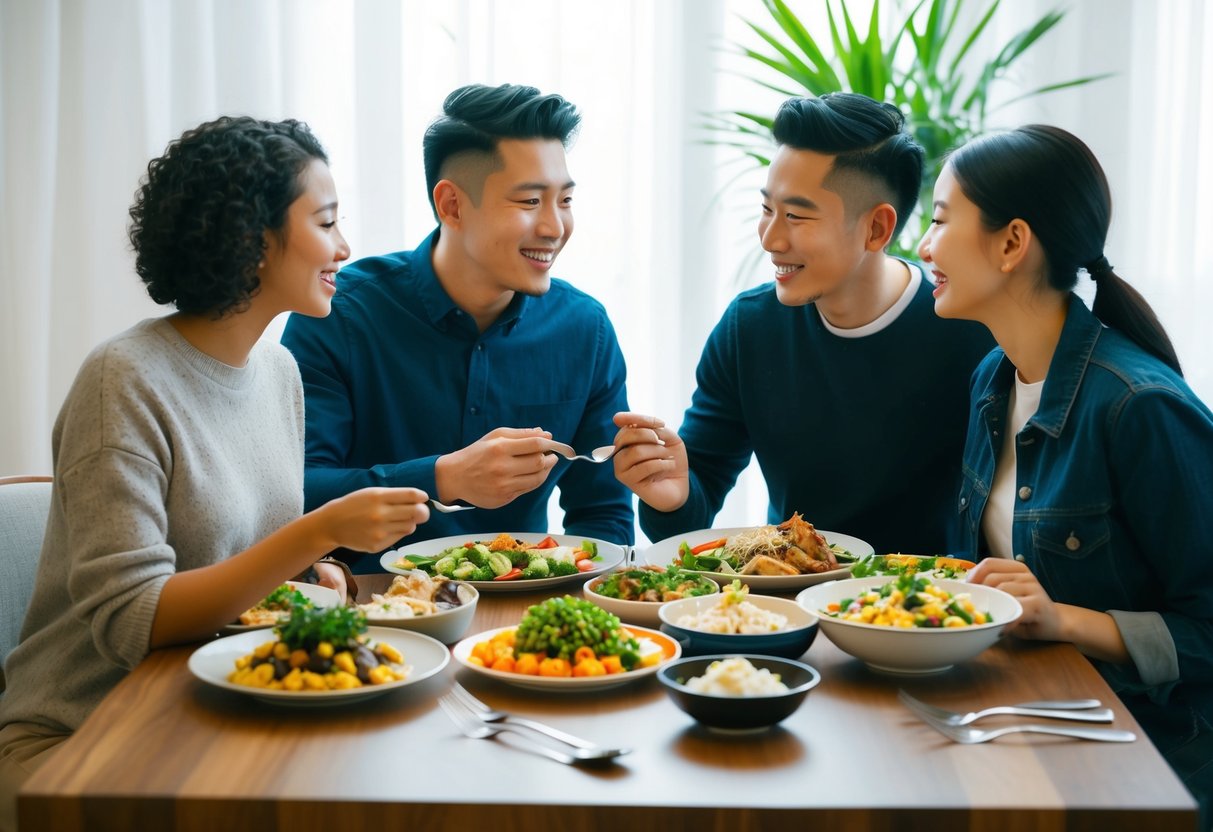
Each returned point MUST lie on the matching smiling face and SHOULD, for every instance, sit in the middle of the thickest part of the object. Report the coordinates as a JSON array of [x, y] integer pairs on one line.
[[301, 262], [509, 238], [815, 244], [963, 256]]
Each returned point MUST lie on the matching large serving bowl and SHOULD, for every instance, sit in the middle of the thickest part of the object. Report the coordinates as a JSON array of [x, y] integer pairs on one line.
[[448, 626], [910, 650], [790, 642], [738, 713], [643, 613]]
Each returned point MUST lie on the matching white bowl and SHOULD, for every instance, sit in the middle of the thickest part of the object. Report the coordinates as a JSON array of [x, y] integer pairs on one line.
[[448, 626], [643, 613], [791, 642], [913, 650]]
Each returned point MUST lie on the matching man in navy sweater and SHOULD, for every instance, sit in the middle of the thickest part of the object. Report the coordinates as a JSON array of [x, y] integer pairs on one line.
[[852, 394], [448, 367]]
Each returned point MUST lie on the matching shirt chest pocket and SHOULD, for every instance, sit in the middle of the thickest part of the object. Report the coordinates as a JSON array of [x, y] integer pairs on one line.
[[1076, 538]]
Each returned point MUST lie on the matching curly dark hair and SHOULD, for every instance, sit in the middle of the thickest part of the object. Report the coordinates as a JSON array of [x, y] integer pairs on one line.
[[200, 215]]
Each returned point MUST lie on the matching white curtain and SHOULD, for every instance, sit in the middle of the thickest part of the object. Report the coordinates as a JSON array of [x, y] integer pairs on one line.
[[90, 90]]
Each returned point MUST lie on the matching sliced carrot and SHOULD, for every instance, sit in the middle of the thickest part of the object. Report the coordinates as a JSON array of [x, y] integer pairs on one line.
[[709, 546]]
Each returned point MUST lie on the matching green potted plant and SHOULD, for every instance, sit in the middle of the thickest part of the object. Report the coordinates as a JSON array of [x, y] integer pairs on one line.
[[921, 67]]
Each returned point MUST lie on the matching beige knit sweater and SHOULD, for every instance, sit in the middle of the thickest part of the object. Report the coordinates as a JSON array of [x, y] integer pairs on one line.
[[165, 460]]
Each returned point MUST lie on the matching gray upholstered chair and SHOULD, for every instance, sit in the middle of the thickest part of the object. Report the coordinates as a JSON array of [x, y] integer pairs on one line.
[[25, 503]]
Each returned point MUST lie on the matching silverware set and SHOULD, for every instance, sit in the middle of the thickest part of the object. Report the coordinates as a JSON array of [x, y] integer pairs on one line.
[[955, 726], [477, 720]]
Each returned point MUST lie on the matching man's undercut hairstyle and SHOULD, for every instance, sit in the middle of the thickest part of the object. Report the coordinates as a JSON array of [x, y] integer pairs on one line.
[[875, 158], [461, 145]]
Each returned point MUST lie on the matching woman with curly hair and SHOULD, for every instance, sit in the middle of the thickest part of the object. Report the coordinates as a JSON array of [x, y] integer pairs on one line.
[[178, 452]]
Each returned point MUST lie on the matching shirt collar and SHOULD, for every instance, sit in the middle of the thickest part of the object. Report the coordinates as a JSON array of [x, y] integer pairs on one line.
[[438, 304], [1079, 335]]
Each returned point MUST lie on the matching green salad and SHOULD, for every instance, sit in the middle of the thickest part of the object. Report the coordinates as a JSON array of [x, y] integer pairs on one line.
[[653, 584]]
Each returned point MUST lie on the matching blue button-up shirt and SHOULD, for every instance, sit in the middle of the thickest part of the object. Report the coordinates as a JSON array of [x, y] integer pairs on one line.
[[1113, 479], [398, 375]]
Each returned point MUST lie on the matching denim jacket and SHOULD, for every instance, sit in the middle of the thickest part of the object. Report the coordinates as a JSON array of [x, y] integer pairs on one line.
[[1114, 500]]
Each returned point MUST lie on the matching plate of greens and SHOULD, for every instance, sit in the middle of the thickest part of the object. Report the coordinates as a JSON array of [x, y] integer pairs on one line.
[[938, 566], [508, 561]]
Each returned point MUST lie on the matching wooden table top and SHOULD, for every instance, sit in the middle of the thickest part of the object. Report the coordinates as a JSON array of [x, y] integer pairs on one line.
[[166, 751]]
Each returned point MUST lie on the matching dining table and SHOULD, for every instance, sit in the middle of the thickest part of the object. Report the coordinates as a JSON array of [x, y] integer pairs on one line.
[[166, 751]]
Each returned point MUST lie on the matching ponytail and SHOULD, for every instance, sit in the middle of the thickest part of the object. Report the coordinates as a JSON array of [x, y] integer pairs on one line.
[[1120, 306]]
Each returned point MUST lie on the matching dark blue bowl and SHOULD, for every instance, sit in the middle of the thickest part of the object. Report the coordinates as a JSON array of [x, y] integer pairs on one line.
[[738, 713], [789, 643]]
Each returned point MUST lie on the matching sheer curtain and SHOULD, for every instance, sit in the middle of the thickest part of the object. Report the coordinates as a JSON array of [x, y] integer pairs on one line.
[[90, 90]]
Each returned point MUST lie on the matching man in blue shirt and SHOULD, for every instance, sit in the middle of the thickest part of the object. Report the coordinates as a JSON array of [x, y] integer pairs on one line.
[[839, 377], [450, 367]]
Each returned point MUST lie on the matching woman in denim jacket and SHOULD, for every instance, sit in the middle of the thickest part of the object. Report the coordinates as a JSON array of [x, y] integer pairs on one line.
[[1089, 462]]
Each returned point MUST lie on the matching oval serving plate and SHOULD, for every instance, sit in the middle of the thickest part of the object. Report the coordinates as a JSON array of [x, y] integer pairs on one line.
[[610, 555], [321, 596], [650, 640], [213, 662], [663, 552]]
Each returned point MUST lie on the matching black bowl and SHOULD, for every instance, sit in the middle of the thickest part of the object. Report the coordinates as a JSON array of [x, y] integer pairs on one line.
[[739, 713]]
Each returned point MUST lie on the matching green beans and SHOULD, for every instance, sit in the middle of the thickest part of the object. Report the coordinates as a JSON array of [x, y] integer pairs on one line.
[[559, 626]]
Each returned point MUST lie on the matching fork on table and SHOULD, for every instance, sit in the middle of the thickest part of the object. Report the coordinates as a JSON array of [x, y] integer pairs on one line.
[[471, 726], [501, 719], [1082, 710], [969, 736]]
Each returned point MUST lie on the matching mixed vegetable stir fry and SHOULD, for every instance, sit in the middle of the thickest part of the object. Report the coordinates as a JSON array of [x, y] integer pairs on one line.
[[567, 637], [505, 558], [320, 649], [653, 584], [939, 566], [909, 601]]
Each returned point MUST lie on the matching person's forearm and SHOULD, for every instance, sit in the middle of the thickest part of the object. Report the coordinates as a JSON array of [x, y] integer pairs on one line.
[[196, 603], [1094, 633]]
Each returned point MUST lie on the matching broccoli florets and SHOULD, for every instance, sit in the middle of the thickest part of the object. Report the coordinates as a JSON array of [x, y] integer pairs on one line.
[[537, 568], [482, 573], [477, 555], [499, 563], [561, 567], [445, 566], [464, 571]]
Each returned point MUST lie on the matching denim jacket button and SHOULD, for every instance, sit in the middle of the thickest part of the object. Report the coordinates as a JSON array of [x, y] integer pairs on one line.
[[1019, 558], [964, 501], [1073, 543], [1025, 492]]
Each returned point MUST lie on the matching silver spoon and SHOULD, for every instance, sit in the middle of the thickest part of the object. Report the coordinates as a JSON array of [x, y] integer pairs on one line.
[[445, 509], [601, 454]]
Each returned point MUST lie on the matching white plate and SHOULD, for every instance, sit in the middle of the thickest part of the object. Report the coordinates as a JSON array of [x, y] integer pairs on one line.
[[610, 554], [213, 662], [321, 596], [572, 684], [663, 552]]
